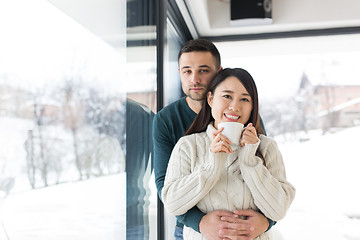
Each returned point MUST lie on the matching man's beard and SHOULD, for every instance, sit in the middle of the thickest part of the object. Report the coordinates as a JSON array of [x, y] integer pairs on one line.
[[196, 97]]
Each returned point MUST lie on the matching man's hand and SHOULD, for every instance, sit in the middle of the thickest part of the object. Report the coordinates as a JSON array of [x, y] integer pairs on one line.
[[221, 224], [255, 221]]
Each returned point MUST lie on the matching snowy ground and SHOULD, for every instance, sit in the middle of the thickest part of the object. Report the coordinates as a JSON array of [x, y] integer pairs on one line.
[[93, 209], [324, 170]]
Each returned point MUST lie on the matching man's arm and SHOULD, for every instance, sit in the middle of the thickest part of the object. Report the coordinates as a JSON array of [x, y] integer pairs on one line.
[[163, 146]]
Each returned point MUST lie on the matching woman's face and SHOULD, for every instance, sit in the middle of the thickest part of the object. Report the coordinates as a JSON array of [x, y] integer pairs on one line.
[[231, 102]]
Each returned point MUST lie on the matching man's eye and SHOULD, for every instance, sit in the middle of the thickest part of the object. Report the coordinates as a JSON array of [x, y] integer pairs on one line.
[[204, 70]]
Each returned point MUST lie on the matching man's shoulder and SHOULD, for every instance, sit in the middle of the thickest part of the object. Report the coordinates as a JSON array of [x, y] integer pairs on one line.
[[178, 105], [172, 110], [174, 119]]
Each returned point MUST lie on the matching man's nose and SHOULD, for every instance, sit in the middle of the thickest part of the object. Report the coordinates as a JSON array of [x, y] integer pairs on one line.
[[194, 79]]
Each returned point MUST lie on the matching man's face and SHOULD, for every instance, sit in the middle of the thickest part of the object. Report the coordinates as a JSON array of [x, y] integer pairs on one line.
[[196, 70]]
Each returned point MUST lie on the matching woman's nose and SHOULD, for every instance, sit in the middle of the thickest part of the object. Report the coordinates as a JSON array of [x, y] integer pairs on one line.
[[234, 106]]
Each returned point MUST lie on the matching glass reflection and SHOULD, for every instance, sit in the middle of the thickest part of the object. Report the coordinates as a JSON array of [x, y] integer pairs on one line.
[[139, 147], [141, 209], [141, 104]]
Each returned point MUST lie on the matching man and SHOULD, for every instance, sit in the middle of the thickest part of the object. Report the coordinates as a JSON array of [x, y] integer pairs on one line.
[[199, 61]]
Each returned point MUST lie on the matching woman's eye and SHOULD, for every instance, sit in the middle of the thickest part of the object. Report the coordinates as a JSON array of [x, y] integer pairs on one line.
[[245, 100], [227, 96]]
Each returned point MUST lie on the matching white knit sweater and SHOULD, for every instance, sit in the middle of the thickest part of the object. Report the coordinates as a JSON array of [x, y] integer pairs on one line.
[[213, 181]]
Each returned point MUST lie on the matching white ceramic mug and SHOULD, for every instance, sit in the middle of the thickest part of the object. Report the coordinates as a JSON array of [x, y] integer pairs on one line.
[[232, 130]]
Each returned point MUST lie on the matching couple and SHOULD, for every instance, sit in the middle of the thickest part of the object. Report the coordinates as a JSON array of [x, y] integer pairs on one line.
[[207, 185]]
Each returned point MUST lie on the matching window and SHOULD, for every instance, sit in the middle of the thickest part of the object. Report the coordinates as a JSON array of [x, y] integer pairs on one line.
[[72, 98], [307, 88]]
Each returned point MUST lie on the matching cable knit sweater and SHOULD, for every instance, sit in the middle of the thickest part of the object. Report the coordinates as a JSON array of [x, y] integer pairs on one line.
[[212, 181]]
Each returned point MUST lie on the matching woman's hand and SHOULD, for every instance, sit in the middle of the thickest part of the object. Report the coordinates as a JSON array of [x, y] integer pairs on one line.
[[249, 135], [220, 143]]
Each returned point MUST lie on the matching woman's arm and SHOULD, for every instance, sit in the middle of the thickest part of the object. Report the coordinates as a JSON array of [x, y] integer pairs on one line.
[[185, 185], [271, 191]]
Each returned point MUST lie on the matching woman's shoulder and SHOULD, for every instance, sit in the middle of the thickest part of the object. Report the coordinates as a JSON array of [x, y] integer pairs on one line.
[[193, 138], [266, 142], [201, 139], [265, 138], [191, 143]]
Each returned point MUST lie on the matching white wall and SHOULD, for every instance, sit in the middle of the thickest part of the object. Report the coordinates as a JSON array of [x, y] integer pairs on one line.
[[212, 17]]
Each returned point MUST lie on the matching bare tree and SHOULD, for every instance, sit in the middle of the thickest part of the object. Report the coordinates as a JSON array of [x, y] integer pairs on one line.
[[30, 157], [38, 118], [73, 114]]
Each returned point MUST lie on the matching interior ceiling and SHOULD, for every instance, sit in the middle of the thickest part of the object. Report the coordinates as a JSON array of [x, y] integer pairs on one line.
[[211, 18]]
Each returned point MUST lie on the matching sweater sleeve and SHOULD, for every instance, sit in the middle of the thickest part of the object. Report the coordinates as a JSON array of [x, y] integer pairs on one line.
[[270, 189], [184, 185]]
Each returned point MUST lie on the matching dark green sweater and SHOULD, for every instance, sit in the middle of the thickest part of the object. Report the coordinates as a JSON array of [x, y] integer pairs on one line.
[[169, 126]]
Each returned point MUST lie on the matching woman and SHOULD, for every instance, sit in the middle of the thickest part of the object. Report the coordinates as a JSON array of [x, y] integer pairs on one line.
[[206, 172]]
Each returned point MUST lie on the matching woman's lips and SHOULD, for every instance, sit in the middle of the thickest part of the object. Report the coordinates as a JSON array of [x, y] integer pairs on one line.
[[231, 117]]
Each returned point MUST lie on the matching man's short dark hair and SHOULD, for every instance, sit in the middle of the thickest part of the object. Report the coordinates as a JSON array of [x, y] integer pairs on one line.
[[201, 45]]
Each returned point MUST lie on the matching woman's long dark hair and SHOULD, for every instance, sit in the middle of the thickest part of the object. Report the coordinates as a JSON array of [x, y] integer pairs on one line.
[[204, 117]]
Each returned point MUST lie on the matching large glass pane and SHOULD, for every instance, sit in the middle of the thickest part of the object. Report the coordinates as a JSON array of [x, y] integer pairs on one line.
[[76, 111], [309, 91]]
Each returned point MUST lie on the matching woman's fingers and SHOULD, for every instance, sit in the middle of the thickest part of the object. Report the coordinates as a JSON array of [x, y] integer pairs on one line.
[[217, 136], [215, 133], [220, 143], [249, 135], [221, 148]]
